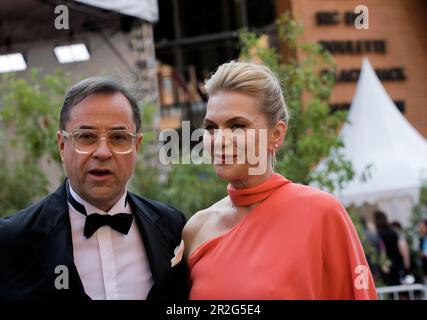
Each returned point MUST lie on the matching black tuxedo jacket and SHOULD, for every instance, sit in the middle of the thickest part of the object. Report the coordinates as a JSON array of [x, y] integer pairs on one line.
[[36, 240]]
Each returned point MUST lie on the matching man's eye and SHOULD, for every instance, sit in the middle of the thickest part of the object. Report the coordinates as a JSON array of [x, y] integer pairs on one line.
[[119, 137], [238, 126], [87, 136]]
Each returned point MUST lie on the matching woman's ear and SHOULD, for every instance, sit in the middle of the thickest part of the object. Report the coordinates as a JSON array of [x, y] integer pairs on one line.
[[279, 134]]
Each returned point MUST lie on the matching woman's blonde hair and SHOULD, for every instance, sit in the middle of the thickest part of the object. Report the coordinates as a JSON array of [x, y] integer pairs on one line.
[[255, 80]]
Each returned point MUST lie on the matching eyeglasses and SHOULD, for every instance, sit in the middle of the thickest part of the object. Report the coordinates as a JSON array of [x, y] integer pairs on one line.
[[86, 141]]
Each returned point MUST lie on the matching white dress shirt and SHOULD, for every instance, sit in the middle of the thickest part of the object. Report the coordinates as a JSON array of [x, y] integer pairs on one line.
[[111, 265]]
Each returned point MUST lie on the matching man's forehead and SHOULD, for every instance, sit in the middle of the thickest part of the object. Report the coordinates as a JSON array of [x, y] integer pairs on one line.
[[102, 111], [103, 105], [108, 119], [106, 100]]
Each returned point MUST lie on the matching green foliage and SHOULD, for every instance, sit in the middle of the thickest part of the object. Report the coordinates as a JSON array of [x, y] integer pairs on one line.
[[29, 107], [146, 178], [313, 129], [188, 187], [32, 108], [419, 211], [194, 187], [16, 179]]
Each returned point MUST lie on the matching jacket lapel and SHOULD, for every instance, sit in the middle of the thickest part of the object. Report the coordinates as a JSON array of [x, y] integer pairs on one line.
[[52, 245], [156, 244]]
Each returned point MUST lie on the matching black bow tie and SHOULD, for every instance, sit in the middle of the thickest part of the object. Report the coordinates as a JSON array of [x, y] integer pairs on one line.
[[120, 222]]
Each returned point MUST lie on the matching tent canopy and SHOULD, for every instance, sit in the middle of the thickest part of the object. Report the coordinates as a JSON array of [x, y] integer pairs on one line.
[[142, 9], [380, 137]]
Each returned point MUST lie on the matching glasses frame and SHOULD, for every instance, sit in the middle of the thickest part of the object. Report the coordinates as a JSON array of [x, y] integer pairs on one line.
[[72, 135]]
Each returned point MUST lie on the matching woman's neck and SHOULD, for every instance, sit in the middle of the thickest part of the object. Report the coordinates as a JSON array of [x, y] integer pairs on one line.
[[252, 181]]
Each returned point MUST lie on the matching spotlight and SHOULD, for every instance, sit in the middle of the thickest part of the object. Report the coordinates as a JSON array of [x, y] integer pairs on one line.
[[72, 53]]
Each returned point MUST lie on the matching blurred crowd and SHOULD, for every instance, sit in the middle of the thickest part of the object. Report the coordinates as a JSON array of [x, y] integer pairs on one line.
[[397, 257]]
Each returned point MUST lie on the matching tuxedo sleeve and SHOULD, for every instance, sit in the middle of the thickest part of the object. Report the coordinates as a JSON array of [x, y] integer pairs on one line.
[[15, 256]]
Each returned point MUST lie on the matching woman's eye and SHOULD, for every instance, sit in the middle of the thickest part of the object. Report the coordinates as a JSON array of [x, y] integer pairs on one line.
[[209, 128]]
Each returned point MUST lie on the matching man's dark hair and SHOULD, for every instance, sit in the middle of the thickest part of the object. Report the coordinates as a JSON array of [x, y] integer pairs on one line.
[[94, 85]]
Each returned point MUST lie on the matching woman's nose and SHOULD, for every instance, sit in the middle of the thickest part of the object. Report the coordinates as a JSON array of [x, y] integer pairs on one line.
[[223, 137]]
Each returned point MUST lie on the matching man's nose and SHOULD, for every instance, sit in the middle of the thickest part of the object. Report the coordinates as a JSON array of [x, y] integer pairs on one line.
[[103, 150]]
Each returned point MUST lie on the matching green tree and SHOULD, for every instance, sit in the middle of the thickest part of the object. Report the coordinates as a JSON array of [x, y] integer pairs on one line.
[[15, 179], [29, 108], [188, 187], [419, 211]]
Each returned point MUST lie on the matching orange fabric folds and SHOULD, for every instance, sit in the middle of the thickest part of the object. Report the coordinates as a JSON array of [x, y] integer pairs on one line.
[[298, 243]]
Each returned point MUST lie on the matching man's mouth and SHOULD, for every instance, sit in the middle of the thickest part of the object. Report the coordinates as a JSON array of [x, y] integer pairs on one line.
[[100, 172]]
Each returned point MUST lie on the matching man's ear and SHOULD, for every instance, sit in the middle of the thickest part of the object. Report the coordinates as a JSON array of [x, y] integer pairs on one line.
[[138, 141], [61, 144], [279, 134]]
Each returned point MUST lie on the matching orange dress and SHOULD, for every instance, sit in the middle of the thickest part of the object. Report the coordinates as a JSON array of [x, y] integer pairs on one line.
[[297, 243]]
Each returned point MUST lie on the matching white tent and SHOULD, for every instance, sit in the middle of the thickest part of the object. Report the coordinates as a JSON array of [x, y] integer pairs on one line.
[[142, 9], [378, 135]]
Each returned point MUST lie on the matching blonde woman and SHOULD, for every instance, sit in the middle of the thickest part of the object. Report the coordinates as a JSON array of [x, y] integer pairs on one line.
[[269, 238]]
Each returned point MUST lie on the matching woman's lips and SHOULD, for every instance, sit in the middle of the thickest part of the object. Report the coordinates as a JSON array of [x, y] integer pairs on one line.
[[224, 159]]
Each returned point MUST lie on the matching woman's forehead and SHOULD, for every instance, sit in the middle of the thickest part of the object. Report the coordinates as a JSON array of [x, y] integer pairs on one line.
[[225, 105]]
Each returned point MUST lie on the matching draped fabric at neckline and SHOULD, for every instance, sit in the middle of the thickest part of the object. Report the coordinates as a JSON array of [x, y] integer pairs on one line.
[[252, 195]]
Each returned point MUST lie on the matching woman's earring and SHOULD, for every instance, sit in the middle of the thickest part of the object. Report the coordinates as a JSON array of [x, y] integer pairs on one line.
[[276, 145]]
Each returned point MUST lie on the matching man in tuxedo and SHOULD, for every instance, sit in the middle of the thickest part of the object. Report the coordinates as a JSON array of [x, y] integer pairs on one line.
[[91, 238]]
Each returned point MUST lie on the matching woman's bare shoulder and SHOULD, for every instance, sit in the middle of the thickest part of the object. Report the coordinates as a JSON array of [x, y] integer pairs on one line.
[[201, 217], [195, 225]]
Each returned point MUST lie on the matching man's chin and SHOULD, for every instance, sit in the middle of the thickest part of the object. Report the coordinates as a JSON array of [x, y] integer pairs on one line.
[[102, 192], [103, 200]]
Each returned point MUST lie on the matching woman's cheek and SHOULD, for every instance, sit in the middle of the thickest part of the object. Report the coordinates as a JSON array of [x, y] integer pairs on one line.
[[240, 146], [208, 142]]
